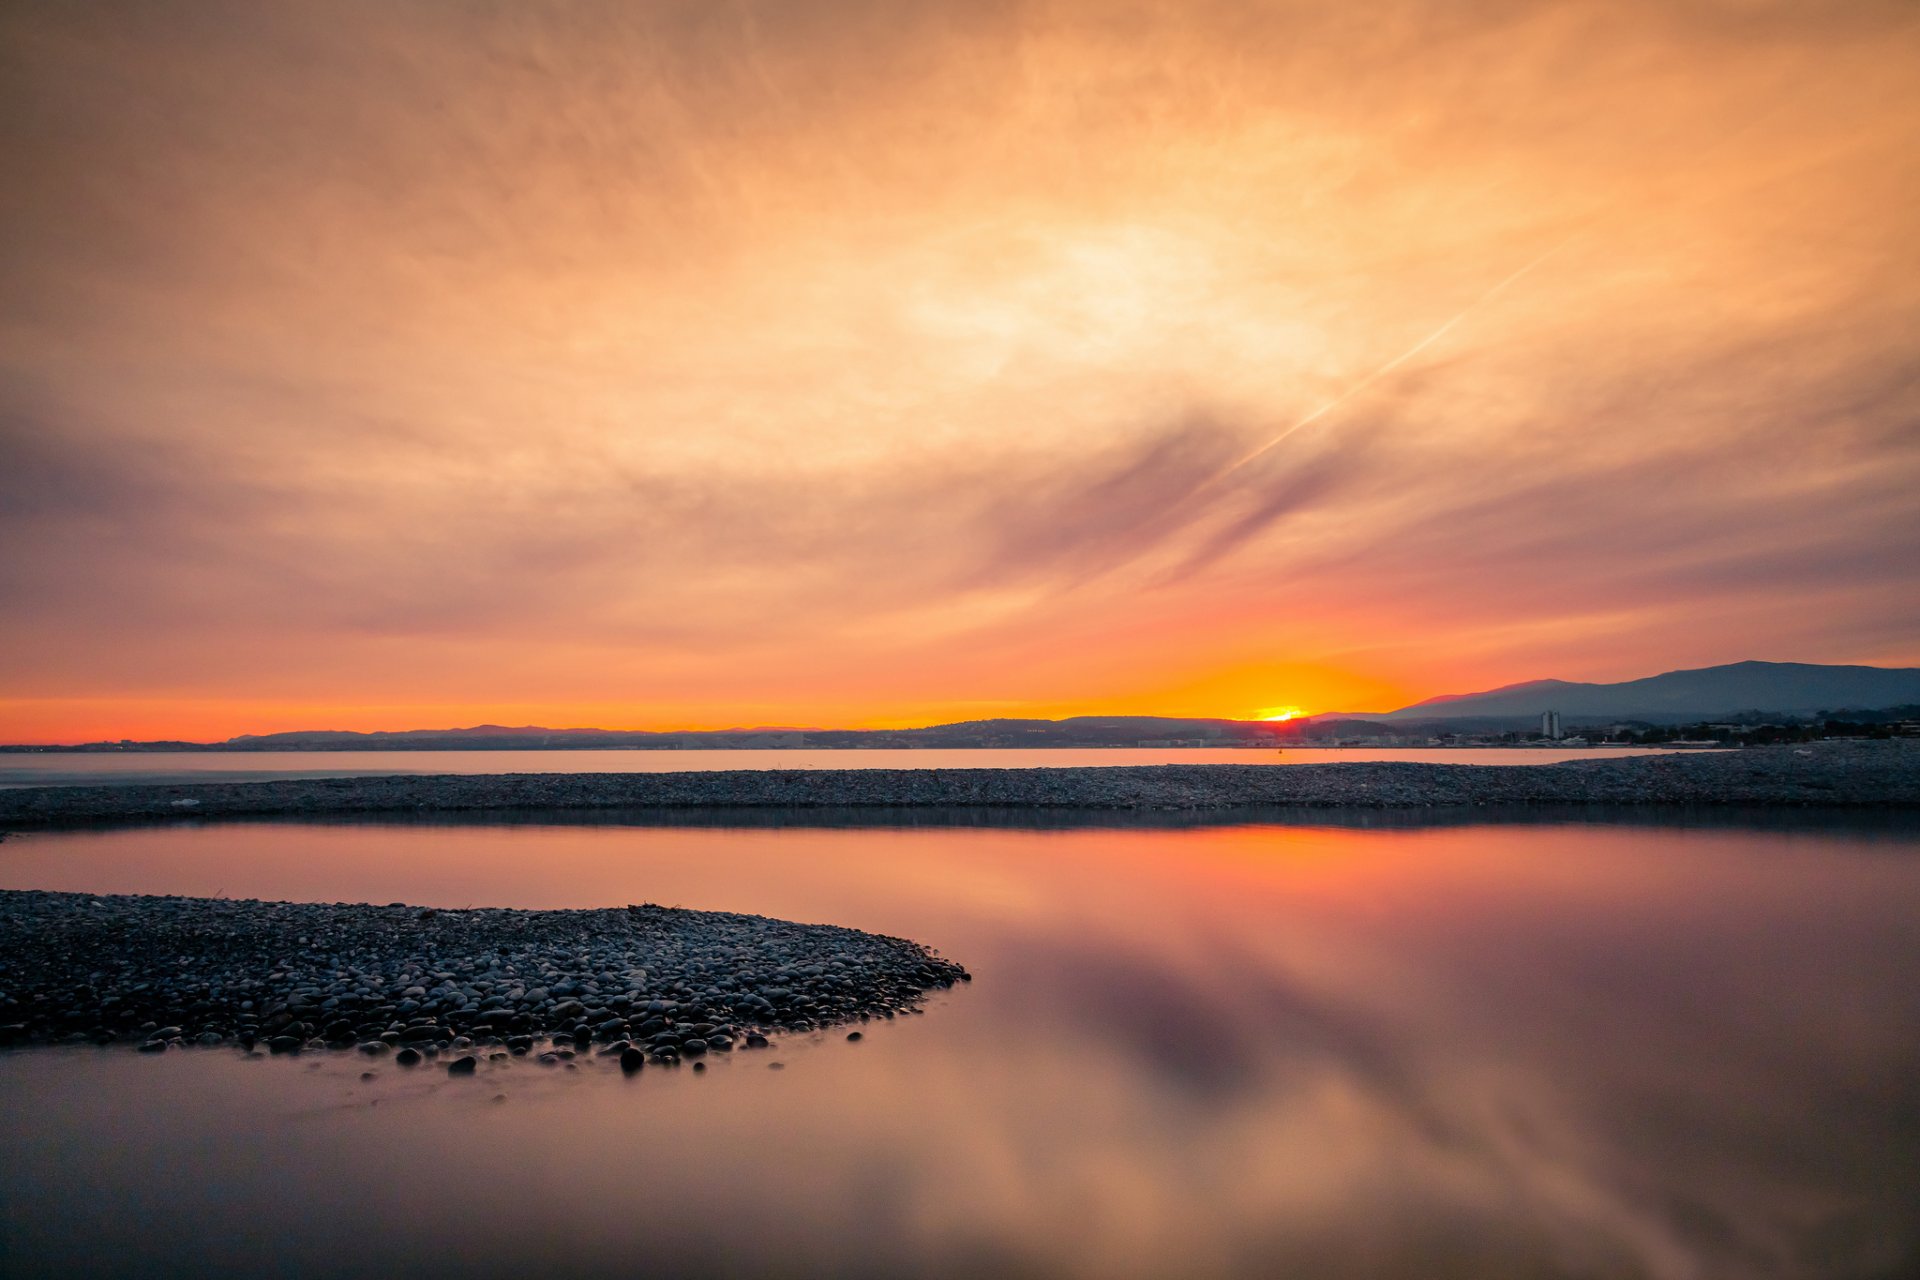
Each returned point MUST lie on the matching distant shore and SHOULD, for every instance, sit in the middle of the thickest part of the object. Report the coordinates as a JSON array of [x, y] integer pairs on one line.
[[1854, 774]]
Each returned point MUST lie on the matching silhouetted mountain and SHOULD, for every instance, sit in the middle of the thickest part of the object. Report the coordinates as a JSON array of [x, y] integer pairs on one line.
[[1788, 690], [1705, 693], [1079, 731]]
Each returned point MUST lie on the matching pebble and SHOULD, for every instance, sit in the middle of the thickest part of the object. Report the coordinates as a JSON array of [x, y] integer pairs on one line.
[[416, 982]]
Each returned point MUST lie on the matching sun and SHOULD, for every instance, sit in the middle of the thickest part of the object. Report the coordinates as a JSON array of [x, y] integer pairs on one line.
[[1279, 713]]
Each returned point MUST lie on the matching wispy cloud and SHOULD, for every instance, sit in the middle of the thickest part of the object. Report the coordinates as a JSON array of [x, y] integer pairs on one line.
[[612, 352]]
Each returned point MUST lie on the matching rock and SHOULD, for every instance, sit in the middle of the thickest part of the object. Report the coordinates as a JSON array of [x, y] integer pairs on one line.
[[463, 1066], [853, 1035], [631, 1060], [408, 1057]]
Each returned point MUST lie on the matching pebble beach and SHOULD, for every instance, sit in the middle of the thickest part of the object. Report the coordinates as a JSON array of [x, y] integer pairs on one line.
[[1849, 774], [644, 985]]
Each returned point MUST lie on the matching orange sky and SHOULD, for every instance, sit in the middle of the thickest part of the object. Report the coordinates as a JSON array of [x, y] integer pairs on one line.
[[668, 364]]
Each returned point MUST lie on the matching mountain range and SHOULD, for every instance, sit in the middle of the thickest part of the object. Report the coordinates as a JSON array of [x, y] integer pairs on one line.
[[1787, 690]]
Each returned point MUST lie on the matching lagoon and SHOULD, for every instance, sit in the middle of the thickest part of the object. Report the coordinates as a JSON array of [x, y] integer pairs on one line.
[[1324, 1043]]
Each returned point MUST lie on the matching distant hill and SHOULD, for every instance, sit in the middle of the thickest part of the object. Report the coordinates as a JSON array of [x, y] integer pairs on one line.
[[1705, 693], [1791, 690], [1078, 731]]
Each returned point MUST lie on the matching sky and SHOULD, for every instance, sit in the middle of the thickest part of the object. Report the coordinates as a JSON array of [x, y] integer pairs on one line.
[[863, 363]]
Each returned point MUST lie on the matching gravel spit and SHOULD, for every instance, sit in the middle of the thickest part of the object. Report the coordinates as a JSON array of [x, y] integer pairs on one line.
[[1877, 774], [645, 985]]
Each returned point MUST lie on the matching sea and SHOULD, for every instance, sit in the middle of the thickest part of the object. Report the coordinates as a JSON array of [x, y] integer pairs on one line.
[[57, 768], [1447, 1044]]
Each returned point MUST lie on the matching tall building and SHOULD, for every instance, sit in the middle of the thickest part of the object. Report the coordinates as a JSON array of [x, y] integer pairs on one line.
[[1550, 724]]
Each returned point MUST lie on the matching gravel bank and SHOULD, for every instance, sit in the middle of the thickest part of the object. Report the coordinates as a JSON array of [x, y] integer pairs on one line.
[[1832, 773], [644, 984]]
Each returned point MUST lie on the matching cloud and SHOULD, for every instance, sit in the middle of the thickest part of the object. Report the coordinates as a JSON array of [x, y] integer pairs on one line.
[[648, 335]]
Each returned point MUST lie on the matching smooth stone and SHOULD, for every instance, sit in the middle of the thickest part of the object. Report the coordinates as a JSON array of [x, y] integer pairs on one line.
[[463, 1066], [631, 1060], [408, 1057]]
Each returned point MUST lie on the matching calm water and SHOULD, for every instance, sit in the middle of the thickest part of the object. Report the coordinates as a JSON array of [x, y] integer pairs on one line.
[[1339, 1047], [20, 769]]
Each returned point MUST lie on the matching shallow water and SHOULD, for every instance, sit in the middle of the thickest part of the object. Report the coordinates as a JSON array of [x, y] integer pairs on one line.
[[31, 769], [1339, 1046]]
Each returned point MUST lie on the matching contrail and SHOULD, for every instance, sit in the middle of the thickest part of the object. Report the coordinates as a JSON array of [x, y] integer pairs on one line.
[[1392, 364]]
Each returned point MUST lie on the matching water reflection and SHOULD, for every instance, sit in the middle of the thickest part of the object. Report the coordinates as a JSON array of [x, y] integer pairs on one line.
[[1256, 1049]]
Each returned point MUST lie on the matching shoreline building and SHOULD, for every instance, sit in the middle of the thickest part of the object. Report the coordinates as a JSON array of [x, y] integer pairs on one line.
[[1550, 725]]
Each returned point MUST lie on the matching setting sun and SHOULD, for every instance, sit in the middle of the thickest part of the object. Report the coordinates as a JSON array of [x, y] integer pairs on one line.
[[1279, 713]]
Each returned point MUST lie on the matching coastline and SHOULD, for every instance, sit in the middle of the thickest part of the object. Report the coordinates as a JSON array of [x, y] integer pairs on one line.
[[1883, 774]]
